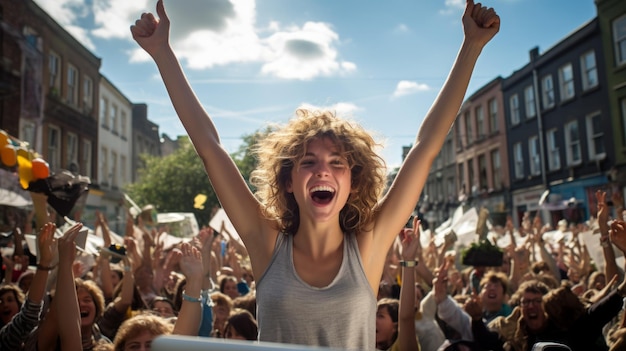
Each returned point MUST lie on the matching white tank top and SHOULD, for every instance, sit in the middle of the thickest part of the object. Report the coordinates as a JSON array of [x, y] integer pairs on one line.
[[341, 315]]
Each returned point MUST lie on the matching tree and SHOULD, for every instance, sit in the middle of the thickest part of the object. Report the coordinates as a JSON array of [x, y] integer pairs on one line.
[[244, 159], [171, 183]]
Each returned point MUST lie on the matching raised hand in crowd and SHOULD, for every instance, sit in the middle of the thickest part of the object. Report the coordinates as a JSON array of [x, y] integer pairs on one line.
[[15, 332], [406, 315], [189, 317], [63, 320]]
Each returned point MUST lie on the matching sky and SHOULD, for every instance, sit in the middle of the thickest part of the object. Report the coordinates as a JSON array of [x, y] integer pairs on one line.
[[252, 63]]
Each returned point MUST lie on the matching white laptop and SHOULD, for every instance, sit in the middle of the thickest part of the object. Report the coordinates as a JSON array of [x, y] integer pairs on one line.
[[189, 343]]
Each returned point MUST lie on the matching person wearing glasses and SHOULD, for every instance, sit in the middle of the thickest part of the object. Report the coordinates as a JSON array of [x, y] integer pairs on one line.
[[526, 325]]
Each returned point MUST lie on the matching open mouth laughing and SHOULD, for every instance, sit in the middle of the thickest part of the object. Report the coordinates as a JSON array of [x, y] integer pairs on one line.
[[322, 194]]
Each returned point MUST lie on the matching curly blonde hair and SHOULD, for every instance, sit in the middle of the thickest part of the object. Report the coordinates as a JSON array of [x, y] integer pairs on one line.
[[138, 324], [283, 147]]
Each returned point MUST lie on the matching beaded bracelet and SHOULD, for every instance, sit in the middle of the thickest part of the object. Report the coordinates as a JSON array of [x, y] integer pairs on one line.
[[190, 298]]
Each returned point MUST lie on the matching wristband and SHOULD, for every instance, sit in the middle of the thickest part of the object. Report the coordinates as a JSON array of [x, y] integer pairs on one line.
[[191, 299], [45, 268], [408, 263]]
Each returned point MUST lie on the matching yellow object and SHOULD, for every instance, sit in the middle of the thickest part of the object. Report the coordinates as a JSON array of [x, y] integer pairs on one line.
[[198, 201], [24, 170]]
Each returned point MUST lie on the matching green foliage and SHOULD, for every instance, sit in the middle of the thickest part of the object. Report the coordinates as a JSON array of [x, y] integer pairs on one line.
[[244, 159], [482, 253], [171, 183]]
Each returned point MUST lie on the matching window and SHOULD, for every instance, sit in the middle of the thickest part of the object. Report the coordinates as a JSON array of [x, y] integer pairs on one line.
[[113, 118], [32, 38], [622, 105], [85, 161], [619, 40], [123, 168], [496, 169], [533, 152], [514, 102], [548, 91], [469, 134], [87, 94], [449, 152], [529, 98], [572, 142], [472, 176], [459, 136], [493, 115], [123, 121], [104, 165], [450, 187], [480, 122], [72, 150], [589, 70], [595, 137], [554, 158], [566, 82], [54, 148], [114, 175], [54, 71], [461, 172], [28, 131], [104, 115], [519, 161], [482, 171], [72, 85]]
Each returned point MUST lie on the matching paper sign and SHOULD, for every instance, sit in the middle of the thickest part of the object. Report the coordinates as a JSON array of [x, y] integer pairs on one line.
[[221, 223]]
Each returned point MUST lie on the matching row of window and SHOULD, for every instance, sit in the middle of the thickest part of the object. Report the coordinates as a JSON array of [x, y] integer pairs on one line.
[[77, 153], [573, 149], [481, 126], [113, 118], [589, 73], [113, 167], [494, 167], [72, 80]]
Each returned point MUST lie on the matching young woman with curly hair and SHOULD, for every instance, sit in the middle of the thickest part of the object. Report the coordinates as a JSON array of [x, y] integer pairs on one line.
[[317, 230]]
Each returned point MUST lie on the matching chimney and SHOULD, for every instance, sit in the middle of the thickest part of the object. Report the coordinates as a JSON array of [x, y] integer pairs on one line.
[[534, 53]]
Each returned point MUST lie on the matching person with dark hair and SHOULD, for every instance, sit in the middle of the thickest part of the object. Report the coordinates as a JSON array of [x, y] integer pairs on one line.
[[241, 325], [164, 307], [525, 326]]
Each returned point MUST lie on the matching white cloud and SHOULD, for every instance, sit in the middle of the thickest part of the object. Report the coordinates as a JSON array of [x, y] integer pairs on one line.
[[112, 18], [452, 6], [340, 108], [304, 53], [406, 87], [82, 36], [65, 12], [205, 34], [68, 13]]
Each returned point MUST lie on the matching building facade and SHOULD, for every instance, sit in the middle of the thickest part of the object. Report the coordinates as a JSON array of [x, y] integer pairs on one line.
[[612, 18], [558, 128], [481, 150]]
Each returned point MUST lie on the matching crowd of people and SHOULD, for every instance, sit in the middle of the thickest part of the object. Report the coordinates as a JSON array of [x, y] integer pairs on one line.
[[324, 257], [543, 292]]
